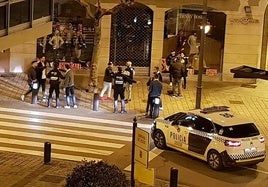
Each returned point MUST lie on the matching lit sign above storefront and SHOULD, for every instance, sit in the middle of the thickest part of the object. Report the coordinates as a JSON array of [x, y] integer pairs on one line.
[[244, 20]]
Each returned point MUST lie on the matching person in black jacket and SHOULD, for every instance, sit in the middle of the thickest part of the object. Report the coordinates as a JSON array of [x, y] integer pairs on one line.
[[130, 72], [119, 89], [170, 59], [54, 80], [155, 90], [177, 70], [32, 78], [41, 75]]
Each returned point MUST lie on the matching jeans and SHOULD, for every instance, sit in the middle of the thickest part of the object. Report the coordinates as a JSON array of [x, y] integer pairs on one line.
[[107, 86]]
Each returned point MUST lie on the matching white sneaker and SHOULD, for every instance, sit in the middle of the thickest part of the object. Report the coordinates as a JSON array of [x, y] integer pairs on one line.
[[22, 97], [67, 107], [170, 84], [75, 106], [161, 108]]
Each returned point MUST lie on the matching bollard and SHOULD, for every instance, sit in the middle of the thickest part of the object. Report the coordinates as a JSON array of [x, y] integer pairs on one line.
[[47, 152], [173, 177], [34, 93], [96, 102]]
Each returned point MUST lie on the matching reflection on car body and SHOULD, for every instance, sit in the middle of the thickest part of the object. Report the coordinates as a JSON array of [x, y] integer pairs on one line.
[[213, 134]]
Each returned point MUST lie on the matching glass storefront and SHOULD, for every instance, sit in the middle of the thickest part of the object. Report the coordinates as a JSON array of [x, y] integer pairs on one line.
[[182, 33]]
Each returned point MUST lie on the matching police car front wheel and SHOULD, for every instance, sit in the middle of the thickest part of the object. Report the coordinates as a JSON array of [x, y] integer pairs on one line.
[[214, 160], [159, 139]]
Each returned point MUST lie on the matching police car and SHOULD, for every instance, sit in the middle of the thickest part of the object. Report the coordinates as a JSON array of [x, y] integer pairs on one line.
[[212, 134]]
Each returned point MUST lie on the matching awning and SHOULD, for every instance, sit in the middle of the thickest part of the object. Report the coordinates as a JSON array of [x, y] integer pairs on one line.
[[249, 72]]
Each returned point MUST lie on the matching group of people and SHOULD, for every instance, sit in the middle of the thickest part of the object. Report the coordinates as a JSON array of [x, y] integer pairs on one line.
[[66, 43], [41, 71], [177, 67], [120, 81]]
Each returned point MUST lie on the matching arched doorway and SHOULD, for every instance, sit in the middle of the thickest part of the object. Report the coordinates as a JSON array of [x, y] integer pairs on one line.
[[264, 57], [187, 21], [131, 35]]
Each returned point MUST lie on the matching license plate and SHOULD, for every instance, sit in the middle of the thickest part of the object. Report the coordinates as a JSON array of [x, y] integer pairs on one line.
[[250, 150]]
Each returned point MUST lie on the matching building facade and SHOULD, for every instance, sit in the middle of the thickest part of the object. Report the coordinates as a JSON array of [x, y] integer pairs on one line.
[[242, 24]]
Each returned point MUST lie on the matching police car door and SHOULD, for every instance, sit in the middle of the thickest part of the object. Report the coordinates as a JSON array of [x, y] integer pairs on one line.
[[199, 134], [177, 134]]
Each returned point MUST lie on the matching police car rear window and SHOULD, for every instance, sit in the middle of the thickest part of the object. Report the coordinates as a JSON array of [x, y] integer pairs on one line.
[[238, 131]]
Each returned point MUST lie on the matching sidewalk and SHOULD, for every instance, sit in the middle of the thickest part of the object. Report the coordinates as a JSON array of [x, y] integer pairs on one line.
[[247, 100]]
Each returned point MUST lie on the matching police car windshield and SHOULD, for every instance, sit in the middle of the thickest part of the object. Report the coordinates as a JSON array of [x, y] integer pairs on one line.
[[238, 131]]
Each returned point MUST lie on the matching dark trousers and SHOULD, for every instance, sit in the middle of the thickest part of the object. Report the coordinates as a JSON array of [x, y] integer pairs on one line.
[[56, 88], [119, 91], [42, 84], [151, 102], [30, 89]]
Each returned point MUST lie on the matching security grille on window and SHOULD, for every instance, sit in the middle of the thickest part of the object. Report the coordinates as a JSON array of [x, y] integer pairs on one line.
[[131, 36]]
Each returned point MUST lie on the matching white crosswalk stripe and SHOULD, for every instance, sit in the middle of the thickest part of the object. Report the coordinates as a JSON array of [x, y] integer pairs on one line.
[[25, 131]]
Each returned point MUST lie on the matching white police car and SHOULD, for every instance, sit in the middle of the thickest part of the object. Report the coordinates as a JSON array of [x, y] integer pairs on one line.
[[213, 134]]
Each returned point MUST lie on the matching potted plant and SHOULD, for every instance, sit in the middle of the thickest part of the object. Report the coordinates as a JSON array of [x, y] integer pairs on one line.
[[96, 174]]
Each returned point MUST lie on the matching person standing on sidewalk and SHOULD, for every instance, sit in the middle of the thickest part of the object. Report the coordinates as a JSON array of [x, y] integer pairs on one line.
[[68, 84], [170, 59], [177, 70], [119, 90], [32, 78], [54, 80], [155, 90], [107, 82], [41, 75], [130, 72]]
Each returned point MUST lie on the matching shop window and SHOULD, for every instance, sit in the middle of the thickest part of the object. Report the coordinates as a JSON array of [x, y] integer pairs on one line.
[[19, 13], [2, 17], [42, 8]]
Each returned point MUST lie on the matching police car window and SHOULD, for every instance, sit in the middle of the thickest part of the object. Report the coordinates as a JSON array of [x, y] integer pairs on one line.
[[188, 120], [176, 117], [203, 124], [238, 131]]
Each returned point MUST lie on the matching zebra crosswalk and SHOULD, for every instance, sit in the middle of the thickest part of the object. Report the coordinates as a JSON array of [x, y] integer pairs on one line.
[[71, 137]]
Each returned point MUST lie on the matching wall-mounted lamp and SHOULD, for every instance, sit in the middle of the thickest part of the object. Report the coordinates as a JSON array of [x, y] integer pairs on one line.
[[207, 27]]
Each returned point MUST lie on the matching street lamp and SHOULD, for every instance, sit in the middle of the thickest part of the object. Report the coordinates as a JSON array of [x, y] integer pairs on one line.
[[201, 56]]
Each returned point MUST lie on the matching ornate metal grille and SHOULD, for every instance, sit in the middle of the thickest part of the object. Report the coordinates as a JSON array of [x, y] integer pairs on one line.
[[131, 35]]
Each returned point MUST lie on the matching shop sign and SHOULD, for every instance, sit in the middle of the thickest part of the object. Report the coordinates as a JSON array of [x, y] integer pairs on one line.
[[244, 20]]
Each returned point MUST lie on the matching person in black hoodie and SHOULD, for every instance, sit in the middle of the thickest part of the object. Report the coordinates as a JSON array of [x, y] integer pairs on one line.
[[54, 80]]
